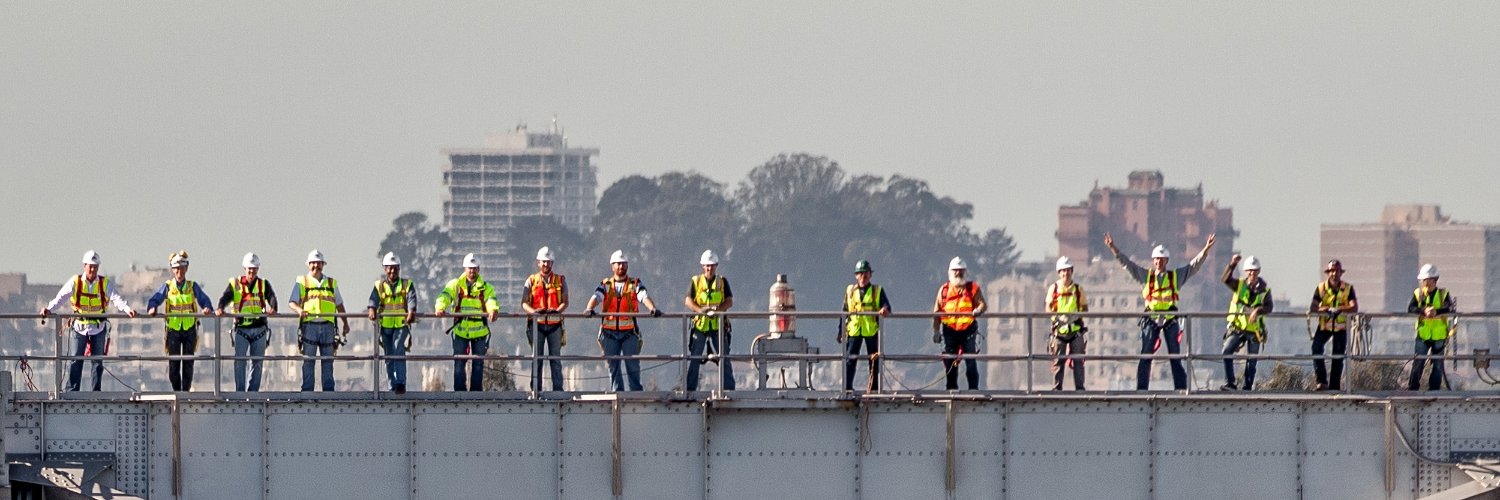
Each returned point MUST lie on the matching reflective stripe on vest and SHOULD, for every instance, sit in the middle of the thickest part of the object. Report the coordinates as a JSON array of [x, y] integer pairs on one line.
[[622, 301], [180, 301], [392, 304], [960, 302], [1067, 301], [318, 301], [707, 294], [1334, 301], [868, 301], [86, 302], [1160, 291], [471, 300], [546, 293], [249, 298], [1432, 328], [1240, 304]]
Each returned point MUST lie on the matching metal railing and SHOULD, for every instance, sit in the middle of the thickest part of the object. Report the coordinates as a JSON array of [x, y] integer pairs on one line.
[[1371, 338]]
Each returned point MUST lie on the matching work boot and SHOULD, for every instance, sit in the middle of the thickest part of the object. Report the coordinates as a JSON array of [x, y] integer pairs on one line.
[[399, 389], [1320, 387], [1228, 387]]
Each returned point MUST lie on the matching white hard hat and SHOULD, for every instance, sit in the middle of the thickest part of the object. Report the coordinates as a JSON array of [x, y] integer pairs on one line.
[[544, 253], [618, 256], [1428, 271], [1064, 263], [956, 263], [1160, 252], [179, 259], [708, 258], [471, 261], [251, 260], [315, 256], [390, 259], [1252, 263], [91, 257]]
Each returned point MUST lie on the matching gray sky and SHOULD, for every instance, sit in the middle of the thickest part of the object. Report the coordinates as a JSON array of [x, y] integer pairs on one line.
[[141, 128]]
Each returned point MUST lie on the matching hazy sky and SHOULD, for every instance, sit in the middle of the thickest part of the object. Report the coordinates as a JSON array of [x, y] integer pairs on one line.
[[141, 128]]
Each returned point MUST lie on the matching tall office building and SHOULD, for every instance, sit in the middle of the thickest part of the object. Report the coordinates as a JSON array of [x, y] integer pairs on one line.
[[516, 174]]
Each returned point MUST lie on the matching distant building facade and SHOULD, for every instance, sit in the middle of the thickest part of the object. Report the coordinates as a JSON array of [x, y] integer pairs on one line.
[[1382, 258], [516, 174]]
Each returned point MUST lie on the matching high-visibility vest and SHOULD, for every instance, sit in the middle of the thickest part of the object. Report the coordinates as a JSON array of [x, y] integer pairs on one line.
[[474, 298], [318, 300], [392, 303], [1065, 301], [867, 300], [1240, 305], [546, 293], [621, 301], [1334, 300], [90, 297], [1432, 328], [1160, 291], [958, 299], [249, 298], [707, 294], [181, 301]]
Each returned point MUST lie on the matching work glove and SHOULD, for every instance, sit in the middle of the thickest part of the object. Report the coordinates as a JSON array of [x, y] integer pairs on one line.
[[656, 313], [590, 313]]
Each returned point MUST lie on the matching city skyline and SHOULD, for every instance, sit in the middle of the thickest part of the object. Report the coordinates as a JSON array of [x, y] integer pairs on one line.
[[168, 117]]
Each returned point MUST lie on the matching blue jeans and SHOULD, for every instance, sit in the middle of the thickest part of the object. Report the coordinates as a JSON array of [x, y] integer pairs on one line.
[[1232, 345], [469, 375], [1151, 337], [1424, 347], [618, 343], [548, 342], [95, 345], [697, 342], [249, 341], [393, 343], [317, 340]]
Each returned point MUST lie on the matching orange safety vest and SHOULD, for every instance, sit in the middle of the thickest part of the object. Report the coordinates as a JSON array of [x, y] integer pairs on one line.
[[623, 301], [546, 293], [958, 300]]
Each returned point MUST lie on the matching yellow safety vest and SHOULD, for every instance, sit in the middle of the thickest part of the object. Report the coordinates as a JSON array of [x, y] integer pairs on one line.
[[958, 300], [392, 304], [707, 294], [1432, 328], [474, 298], [318, 300], [1334, 300], [1240, 304], [249, 299], [180, 302], [90, 297], [1066, 301], [868, 301]]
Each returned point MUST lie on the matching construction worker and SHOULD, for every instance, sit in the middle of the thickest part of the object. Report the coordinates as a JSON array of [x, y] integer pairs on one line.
[[472, 300], [89, 293], [619, 335], [1332, 301], [1248, 308], [1160, 290], [183, 299], [315, 299], [708, 294], [393, 306], [253, 299], [1432, 305], [1065, 296], [863, 297], [544, 296], [957, 334]]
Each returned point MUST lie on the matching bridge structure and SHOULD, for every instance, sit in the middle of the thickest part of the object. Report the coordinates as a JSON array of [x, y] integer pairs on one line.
[[755, 443]]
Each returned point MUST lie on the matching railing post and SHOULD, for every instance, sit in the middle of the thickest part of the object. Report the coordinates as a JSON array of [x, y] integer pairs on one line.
[[723, 365], [682, 368], [218, 356], [1187, 351], [57, 362], [379, 356], [1030, 353]]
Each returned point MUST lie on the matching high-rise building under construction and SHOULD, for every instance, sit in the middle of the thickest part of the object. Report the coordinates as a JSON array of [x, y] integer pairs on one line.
[[516, 174]]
